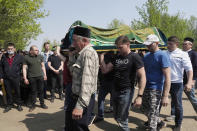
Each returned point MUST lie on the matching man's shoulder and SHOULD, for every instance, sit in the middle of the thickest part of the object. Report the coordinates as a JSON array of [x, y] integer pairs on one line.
[[90, 51]]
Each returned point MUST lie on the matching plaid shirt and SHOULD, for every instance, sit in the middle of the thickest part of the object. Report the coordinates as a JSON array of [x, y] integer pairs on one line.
[[84, 71]]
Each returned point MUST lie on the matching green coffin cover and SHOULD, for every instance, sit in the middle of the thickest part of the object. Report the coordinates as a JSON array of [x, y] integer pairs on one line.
[[103, 39]]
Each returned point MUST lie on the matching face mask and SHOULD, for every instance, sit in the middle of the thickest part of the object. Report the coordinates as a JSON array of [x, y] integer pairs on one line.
[[10, 52]]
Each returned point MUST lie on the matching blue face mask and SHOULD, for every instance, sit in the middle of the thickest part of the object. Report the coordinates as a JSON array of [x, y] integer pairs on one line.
[[10, 52]]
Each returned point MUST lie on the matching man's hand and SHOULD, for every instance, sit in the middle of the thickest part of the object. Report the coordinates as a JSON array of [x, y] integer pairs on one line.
[[77, 114], [165, 101], [1, 81], [188, 87], [26, 81], [138, 102], [45, 77], [56, 72], [102, 56]]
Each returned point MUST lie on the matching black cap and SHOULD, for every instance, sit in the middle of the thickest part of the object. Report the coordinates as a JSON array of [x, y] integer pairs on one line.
[[81, 31]]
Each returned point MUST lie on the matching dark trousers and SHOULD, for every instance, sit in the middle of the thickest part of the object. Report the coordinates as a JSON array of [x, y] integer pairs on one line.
[[106, 87], [10, 84], [56, 80], [36, 85], [46, 84], [82, 124], [68, 92], [176, 92]]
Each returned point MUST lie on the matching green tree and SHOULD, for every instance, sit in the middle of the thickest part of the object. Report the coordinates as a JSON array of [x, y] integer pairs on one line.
[[52, 43], [154, 13], [18, 21], [115, 23]]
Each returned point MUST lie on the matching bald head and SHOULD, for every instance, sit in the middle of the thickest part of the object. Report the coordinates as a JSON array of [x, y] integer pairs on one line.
[[34, 50]]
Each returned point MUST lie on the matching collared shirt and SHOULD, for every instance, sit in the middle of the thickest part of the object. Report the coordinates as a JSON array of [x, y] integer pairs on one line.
[[180, 61], [188, 50], [45, 58], [84, 72], [10, 60]]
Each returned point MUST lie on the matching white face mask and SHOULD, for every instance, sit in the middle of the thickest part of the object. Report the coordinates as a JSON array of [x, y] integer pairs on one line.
[[10, 52]]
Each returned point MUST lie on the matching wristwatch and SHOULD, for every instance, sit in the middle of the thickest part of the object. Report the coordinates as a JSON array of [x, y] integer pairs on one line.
[[139, 95]]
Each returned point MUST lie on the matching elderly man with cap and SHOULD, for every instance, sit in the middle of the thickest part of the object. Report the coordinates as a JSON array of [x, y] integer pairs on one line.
[[84, 65], [157, 68]]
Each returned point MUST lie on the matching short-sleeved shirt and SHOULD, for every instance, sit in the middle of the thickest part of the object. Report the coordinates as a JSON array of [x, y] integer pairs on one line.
[[34, 68], [154, 63], [125, 68], [55, 61]]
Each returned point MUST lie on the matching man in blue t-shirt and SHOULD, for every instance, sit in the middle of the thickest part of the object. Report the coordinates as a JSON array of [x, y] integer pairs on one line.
[[157, 68]]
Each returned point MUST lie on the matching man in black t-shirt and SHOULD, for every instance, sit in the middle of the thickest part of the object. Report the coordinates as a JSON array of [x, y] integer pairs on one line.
[[56, 67], [125, 65]]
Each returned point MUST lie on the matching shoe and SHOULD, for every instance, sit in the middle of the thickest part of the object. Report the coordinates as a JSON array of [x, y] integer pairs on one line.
[[98, 119], [146, 124], [170, 118], [8, 108], [19, 108], [61, 97], [161, 125], [91, 120], [44, 106], [31, 108], [52, 100], [177, 128]]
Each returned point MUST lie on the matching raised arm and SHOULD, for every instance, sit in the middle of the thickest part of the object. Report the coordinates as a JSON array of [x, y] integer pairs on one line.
[[105, 68]]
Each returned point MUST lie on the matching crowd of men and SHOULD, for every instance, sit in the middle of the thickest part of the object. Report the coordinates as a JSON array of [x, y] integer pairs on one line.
[[29, 75], [157, 73]]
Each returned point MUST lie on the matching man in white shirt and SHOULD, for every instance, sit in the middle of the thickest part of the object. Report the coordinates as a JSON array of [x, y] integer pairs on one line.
[[45, 54], [180, 61]]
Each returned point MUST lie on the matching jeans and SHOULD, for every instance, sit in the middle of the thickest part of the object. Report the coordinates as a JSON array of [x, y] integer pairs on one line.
[[121, 104], [36, 84], [192, 98], [176, 92], [106, 87]]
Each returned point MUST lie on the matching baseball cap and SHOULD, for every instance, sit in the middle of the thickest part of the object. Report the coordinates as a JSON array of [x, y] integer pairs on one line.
[[150, 39]]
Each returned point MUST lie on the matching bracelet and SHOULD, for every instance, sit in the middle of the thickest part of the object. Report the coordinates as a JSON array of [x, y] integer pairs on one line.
[[139, 95]]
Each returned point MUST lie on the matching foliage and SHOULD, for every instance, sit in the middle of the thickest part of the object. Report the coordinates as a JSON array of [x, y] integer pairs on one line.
[[115, 23], [52, 43], [18, 21], [154, 13]]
